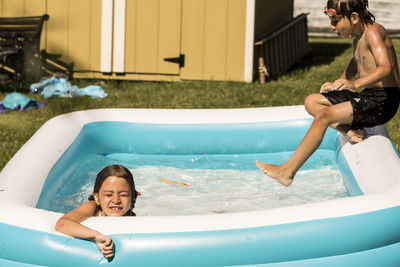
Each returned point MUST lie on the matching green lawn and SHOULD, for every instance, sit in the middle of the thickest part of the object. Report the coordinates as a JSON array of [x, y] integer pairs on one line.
[[326, 62]]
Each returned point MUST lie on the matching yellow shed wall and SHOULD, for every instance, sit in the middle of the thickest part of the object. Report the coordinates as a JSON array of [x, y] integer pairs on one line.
[[17, 8], [213, 42], [74, 32], [210, 33], [152, 34]]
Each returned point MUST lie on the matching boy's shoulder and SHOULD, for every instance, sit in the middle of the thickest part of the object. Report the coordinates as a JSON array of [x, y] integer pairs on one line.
[[375, 30], [372, 35]]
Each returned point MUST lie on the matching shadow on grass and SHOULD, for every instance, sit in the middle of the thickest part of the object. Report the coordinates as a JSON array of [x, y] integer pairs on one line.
[[321, 53], [7, 85]]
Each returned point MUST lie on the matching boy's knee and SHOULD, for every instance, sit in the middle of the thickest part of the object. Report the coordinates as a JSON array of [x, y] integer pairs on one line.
[[310, 101], [323, 116]]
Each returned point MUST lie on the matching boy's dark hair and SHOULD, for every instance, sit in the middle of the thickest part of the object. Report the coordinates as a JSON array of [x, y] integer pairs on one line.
[[346, 7], [121, 172]]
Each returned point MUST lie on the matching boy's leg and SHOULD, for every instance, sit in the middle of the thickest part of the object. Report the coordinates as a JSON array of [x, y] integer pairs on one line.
[[341, 114], [315, 102], [356, 136]]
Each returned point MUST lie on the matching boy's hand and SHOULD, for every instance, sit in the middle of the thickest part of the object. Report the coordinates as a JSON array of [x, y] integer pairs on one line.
[[341, 84], [105, 245], [326, 87]]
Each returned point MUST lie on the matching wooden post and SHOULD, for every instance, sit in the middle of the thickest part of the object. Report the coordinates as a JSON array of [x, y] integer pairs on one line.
[[261, 69]]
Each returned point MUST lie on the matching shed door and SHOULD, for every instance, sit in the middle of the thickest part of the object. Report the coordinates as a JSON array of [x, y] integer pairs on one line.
[[146, 37]]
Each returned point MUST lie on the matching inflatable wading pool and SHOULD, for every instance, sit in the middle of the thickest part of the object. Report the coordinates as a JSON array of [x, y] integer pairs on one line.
[[362, 229]]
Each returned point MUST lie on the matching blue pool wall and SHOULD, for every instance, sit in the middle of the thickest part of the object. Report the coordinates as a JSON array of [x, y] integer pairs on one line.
[[345, 241]]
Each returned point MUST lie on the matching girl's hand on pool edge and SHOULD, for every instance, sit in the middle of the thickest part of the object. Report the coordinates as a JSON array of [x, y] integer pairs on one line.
[[105, 245]]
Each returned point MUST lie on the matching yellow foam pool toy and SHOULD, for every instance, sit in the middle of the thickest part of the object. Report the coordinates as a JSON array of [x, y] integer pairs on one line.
[[173, 183]]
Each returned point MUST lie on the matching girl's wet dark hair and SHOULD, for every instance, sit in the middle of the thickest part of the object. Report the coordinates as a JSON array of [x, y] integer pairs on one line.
[[121, 172], [346, 7]]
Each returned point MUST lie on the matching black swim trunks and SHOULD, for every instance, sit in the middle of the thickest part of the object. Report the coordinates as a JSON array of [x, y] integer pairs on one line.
[[371, 107]]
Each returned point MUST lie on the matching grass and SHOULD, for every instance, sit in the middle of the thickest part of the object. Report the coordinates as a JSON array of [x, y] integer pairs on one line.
[[326, 62]]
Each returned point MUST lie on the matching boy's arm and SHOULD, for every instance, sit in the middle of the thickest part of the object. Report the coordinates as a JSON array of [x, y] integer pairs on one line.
[[351, 70], [348, 74], [383, 68], [381, 55]]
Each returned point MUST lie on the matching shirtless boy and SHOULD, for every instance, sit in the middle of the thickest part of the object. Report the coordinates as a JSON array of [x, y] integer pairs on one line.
[[339, 105]]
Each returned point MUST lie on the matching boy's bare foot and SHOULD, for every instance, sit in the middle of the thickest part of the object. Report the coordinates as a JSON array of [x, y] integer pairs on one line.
[[276, 172], [356, 136]]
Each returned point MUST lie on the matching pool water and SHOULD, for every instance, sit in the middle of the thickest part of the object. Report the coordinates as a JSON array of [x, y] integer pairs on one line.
[[216, 184], [218, 167]]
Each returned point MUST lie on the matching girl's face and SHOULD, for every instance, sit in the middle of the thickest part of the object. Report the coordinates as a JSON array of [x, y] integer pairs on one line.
[[114, 196]]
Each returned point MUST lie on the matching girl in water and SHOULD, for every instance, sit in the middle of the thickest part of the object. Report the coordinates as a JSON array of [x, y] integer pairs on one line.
[[114, 194]]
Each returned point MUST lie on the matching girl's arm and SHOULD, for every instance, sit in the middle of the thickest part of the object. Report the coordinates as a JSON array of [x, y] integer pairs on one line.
[[70, 224]]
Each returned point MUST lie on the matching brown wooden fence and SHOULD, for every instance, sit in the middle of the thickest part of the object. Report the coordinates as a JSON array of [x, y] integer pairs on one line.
[[277, 52]]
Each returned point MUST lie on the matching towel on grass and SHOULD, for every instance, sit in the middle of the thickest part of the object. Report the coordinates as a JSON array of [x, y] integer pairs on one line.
[[62, 88], [17, 101]]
